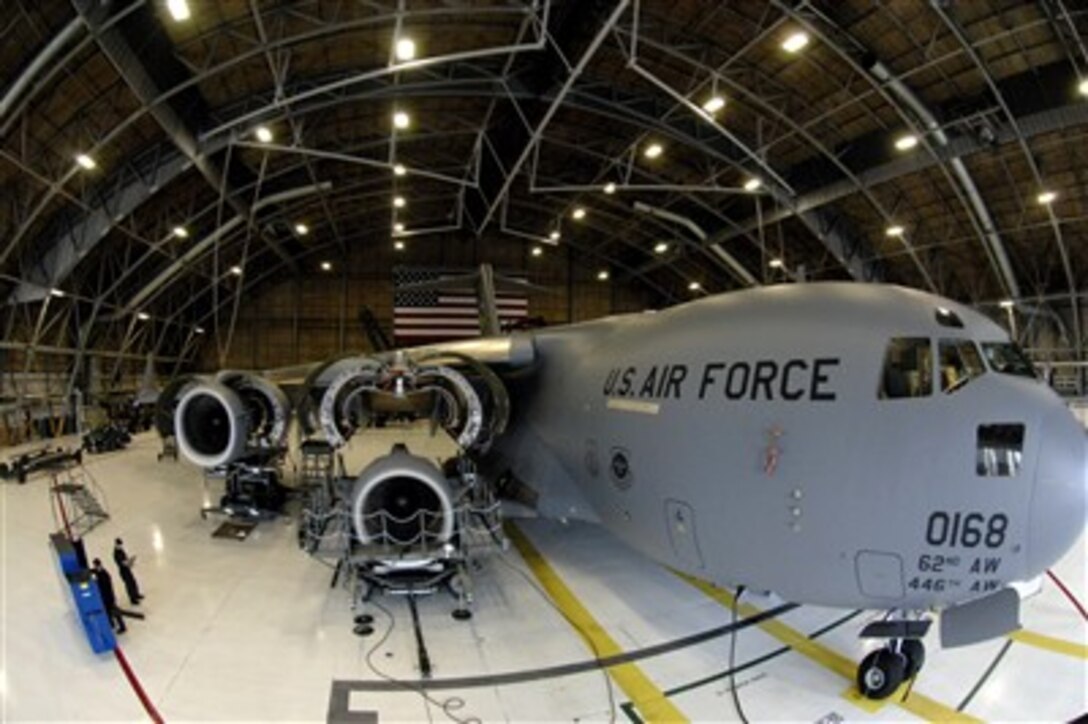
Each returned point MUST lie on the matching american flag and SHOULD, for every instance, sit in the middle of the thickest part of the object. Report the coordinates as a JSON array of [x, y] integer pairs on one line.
[[428, 316]]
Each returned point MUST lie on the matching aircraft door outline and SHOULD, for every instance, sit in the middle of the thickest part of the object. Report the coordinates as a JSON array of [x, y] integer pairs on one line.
[[680, 522]]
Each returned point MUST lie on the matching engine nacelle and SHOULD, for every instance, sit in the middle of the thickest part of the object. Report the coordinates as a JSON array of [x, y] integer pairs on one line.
[[216, 422], [402, 499]]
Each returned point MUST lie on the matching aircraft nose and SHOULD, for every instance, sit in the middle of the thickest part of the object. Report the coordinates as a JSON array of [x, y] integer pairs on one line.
[[1058, 509]]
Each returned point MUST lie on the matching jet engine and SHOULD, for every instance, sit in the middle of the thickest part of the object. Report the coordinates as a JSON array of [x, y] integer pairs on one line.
[[218, 421], [401, 500]]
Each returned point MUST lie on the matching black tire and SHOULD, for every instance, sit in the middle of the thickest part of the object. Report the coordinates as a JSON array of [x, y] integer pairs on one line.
[[881, 673], [915, 653]]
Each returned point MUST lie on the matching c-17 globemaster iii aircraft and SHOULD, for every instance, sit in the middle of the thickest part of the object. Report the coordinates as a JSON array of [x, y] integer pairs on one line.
[[838, 444]]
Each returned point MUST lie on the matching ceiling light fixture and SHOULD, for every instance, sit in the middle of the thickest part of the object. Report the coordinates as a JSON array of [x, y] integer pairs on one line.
[[398, 228], [181, 232], [401, 119], [610, 188], [399, 202], [537, 251], [179, 9], [399, 170], [776, 264], [752, 184], [578, 214], [143, 316], [1083, 87], [263, 134], [1047, 197], [894, 230], [694, 287], [302, 229], [326, 266], [653, 150], [907, 142], [398, 245], [713, 104], [661, 247], [554, 236], [795, 42], [602, 275], [85, 161], [1006, 304], [198, 330], [405, 49], [56, 292], [236, 271]]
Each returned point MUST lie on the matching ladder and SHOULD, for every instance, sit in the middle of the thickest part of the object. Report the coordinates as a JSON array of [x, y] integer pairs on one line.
[[79, 503]]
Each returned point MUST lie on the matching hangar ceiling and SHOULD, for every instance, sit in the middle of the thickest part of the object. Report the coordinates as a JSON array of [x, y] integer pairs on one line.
[[940, 145]]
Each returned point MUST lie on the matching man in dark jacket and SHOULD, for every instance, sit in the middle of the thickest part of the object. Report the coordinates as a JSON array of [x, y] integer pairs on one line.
[[109, 600], [124, 567]]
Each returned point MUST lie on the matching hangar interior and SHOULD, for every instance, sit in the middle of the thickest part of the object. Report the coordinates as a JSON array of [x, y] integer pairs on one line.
[[191, 186]]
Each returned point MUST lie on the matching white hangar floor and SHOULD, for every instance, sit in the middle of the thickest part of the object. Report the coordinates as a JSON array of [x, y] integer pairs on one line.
[[251, 631]]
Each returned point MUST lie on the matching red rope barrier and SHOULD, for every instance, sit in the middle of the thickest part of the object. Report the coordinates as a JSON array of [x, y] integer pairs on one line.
[[152, 712], [1069, 595]]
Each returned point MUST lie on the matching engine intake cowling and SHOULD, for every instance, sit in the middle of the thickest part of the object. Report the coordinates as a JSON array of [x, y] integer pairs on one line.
[[402, 499], [217, 422]]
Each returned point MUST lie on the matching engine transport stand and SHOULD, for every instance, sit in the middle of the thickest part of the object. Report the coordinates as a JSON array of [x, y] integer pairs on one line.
[[252, 488]]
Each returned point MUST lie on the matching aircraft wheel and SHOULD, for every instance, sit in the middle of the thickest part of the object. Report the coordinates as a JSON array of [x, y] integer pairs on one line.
[[881, 673], [915, 653]]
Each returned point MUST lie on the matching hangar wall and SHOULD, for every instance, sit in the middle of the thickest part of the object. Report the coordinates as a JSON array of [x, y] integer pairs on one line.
[[315, 316]]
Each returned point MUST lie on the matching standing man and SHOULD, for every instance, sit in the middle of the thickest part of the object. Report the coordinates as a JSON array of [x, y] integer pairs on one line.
[[109, 600], [124, 567]]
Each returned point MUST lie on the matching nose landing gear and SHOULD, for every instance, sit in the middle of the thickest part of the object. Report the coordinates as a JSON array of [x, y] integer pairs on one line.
[[882, 671]]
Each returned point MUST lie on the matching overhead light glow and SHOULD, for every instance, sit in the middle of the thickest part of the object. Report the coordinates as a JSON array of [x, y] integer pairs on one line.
[[236, 271], [143, 316], [181, 232], [263, 134], [713, 104], [398, 228], [661, 247], [302, 229], [578, 214], [56, 292], [398, 245], [1006, 304], [776, 263], [399, 170], [86, 161], [610, 188], [694, 287], [602, 275], [653, 150], [1046, 197], [537, 251], [752, 184], [554, 236], [399, 202], [1083, 87], [326, 266], [894, 230], [198, 330], [795, 42], [401, 119], [405, 49], [907, 142], [179, 9]]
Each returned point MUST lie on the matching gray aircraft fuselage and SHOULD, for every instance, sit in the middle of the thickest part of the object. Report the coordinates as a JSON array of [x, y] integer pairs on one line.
[[744, 438]]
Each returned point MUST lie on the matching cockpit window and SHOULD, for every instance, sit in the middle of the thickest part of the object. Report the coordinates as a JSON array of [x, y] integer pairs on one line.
[[907, 369], [960, 363], [1006, 358]]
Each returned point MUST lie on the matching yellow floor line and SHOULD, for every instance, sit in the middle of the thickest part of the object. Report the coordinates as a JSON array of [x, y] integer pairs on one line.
[[1060, 646], [917, 704], [650, 701]]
